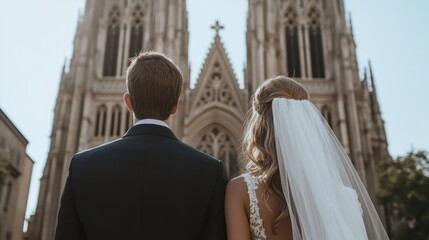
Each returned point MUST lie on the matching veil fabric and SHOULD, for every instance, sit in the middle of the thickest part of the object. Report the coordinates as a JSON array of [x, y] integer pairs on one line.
[[324, 194]]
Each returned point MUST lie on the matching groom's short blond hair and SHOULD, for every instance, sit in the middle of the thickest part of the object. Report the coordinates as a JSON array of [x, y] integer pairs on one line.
[[154, 84]]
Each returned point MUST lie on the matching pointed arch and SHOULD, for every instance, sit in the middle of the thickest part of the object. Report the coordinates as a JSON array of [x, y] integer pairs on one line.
[[128, 120], [115, 122], [292, 43], [216, 109], [8, 196], [316, 44], [112, 42], [100, 121], [137, 30], [203, 125], [327, 113]]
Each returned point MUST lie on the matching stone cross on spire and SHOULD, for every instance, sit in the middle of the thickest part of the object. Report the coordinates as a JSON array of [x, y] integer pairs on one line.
[[217, 27]]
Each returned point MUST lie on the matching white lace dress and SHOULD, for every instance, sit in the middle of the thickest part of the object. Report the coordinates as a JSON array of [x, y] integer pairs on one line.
[[256, 225]]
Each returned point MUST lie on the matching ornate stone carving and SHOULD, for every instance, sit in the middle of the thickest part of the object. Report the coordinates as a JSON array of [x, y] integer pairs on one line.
[[217, 89], [137, 17], [114, 17], [319, 87], [109, 86]]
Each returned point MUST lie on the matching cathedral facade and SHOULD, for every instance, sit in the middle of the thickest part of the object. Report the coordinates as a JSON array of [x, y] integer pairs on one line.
[[309, 40]]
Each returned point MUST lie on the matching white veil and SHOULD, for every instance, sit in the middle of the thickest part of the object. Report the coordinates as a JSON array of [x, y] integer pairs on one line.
[[325, 196]]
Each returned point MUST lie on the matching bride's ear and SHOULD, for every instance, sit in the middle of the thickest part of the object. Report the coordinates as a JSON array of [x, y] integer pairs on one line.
[[127, 100]]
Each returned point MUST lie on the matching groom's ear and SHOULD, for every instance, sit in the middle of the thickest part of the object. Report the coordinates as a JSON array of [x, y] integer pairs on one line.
[[174, 110], [127, 100]]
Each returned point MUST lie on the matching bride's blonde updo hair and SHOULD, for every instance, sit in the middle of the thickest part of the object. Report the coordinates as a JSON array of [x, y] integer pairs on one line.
[[259, 147]]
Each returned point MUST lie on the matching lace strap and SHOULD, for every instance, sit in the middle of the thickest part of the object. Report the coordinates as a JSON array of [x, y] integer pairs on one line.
[[255, 219]]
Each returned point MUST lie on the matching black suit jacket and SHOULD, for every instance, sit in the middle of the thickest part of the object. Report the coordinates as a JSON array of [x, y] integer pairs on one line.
[[145, 185]]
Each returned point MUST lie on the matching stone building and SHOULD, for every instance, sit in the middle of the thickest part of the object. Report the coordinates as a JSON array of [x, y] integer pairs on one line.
[[309, 40], [16, 185]]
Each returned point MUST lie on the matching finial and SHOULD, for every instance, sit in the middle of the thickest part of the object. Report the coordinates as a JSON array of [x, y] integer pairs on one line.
[[217, 27], [371, 76], [64, 65], [79, 15], [350, 23], [370, 70], [365, 75]]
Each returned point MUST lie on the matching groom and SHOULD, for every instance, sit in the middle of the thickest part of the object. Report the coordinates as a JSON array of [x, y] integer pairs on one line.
[[147, 184]]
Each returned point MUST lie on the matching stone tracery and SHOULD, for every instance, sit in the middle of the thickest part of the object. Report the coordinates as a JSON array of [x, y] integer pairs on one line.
[[316, 45], [292, 43], [218, 143], [217, 90], [137, 30]]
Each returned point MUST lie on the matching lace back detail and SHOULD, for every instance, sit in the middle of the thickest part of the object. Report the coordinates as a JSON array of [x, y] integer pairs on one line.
[[256, 225]]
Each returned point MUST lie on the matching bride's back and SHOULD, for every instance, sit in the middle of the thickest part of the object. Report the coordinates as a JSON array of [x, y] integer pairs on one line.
[[261, 203], [246, 190]]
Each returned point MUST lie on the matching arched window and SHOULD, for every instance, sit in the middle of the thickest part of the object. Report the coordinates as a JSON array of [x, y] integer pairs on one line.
[[136, 37], [316, 46], [128, 120], [100, 121], [18, 160], [112, 42], [339, 6], [8, 195], [115, 121], [219, 144], [292, 44], [326, 112]]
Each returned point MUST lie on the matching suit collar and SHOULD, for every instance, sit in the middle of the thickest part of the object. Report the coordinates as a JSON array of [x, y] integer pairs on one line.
[[152, 121], [150, 129]]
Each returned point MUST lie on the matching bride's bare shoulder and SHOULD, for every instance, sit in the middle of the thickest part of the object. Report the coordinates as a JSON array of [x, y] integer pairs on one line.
[[237, 182], [237, 188]]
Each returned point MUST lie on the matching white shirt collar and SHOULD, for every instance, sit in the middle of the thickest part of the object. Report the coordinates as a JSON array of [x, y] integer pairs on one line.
[[152, 121]]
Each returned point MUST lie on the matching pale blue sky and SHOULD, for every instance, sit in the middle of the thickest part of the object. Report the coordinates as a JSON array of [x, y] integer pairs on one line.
[[36, 37]]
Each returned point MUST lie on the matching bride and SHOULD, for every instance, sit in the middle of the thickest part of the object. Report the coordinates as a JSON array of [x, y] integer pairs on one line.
[[299, 182]]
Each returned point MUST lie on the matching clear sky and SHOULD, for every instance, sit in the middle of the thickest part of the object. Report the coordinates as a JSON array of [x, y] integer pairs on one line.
[[36, 37]]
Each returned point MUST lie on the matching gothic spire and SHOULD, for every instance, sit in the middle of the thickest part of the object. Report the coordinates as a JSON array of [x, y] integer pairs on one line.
[[374, 99]]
